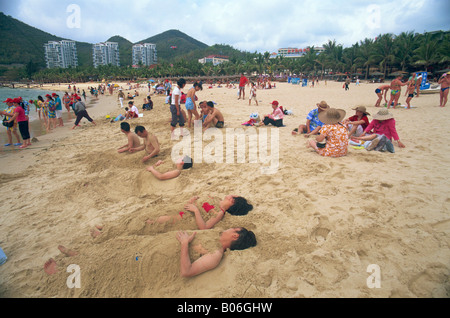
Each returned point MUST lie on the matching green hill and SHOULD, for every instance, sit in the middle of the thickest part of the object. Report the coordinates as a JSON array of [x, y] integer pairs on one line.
[[124, 49], [173, 44], [22, 43]]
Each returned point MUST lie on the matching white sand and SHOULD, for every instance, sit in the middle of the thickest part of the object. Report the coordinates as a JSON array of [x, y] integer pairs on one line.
[[320, 222]]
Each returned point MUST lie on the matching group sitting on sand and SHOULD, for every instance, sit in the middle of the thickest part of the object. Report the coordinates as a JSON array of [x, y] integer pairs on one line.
[[334, 134]]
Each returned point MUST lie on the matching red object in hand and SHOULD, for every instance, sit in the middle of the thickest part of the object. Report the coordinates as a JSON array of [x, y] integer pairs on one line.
[[207, 206]]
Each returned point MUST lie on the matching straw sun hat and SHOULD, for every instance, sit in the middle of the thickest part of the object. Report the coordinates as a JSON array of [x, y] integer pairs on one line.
[[362, 109], [332, 116], [323, 105], [383, 114]]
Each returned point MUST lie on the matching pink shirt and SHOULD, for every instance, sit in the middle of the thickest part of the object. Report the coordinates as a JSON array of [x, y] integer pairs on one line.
[[277, 114], [20, 114], [383, 127]]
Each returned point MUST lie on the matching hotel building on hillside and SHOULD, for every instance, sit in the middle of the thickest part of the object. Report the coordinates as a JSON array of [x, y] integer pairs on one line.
[[106, 53], [61, 54], [145, 54], [214, 59]]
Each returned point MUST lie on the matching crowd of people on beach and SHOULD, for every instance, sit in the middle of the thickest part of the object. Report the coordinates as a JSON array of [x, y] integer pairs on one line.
[[332, 130]]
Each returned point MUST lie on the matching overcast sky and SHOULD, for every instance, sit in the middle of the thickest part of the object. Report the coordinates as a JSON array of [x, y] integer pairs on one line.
[[248, 25]]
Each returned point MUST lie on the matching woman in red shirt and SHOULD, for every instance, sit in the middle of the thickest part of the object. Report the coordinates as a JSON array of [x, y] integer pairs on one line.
[[358, 123], [22, 119]]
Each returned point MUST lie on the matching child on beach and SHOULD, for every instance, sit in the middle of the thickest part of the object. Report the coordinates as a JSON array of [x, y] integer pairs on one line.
[[190, 103], [252, 95], [380, 91], [410, 91], [181, 164]]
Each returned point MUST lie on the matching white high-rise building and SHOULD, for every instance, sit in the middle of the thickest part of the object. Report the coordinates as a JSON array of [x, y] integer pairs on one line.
[[61, 54], [144, 53], [106, 53]]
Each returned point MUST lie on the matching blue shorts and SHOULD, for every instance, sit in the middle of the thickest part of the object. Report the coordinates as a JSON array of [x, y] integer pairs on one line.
[[189, 104]]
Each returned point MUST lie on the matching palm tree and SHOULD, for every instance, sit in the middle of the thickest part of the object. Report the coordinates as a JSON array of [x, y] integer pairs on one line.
[[405, 44], [384, 51], [428, 51], [365, 56]]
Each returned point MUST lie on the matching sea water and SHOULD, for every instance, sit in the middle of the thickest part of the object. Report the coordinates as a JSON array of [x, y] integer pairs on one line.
[[26, 94]]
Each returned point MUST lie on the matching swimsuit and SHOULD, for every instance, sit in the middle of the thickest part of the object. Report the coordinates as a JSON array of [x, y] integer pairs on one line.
[[189, 103], [444, 89], [394, 91], [378, 91], [219, 124]]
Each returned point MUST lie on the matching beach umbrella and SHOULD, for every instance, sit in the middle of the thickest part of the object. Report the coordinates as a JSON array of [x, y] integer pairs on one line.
[[444, 71], [377, 74]]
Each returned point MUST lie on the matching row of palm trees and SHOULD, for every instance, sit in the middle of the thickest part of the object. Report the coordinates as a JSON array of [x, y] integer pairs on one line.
[[406, 52]]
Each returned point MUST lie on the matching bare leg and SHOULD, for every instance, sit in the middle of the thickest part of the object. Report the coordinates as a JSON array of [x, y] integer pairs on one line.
[[313, 144]]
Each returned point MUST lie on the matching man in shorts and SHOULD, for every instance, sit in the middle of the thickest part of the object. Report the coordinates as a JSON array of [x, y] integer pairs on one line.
[[242, 82], [214, 118], [58, 110]]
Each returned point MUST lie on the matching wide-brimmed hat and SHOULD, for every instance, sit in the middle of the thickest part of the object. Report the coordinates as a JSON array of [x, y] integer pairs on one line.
[[383, 114], [332, 116], [361, 109], [323, 105]]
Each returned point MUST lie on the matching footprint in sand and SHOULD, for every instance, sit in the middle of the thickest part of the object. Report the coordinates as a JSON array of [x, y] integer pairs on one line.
[[320, 234]]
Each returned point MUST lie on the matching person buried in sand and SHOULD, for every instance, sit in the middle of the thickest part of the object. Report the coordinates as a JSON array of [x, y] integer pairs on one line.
[[313, 124], [234, 205], [234, 239], [181, 164], [151, 144], [238, 238], [133, 139], [214, 118]]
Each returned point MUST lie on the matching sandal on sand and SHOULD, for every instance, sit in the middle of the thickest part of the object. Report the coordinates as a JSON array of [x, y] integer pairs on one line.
[[373, 144], [18, 144], [7, 145], [23, 146]]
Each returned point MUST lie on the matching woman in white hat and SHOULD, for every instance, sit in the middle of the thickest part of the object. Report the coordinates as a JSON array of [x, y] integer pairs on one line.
[[383, 124], [333, 138]]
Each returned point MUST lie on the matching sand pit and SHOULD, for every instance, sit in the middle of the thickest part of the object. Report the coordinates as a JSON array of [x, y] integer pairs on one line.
[[319, 222]]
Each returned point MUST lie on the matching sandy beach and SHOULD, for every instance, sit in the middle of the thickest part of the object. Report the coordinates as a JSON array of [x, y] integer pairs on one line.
[[319, 222]]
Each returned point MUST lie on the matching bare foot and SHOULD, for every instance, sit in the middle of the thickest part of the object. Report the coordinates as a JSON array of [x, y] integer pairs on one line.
[[50, 267], [66, 251]]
